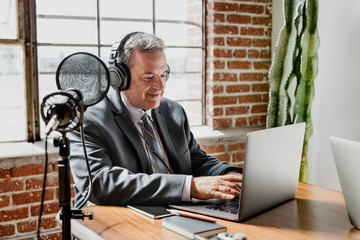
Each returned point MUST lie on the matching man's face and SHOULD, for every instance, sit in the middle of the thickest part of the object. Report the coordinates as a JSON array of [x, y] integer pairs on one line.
[[148, 79]]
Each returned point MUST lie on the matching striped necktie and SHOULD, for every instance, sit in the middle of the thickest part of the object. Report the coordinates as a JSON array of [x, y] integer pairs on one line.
[[153, 148]]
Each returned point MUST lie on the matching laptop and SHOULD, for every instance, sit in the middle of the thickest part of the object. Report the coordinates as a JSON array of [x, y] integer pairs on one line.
[[270, 177], [346, 155]]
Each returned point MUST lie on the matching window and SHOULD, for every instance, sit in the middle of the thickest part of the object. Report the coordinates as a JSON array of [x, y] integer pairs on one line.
[[65, 27]]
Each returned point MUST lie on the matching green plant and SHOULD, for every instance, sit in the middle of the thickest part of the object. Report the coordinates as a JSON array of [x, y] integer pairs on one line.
[[295, 59]]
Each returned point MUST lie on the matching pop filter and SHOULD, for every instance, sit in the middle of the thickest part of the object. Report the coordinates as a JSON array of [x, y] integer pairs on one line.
[[84, 72]]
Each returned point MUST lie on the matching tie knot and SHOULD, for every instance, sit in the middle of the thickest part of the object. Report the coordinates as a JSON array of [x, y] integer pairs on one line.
[[145, 118]]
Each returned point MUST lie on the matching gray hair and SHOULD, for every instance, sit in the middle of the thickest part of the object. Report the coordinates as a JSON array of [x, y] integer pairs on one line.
[[141, 42]]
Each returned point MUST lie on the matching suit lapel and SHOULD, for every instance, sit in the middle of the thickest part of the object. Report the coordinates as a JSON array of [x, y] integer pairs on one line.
[[166, 140], [125, 124]]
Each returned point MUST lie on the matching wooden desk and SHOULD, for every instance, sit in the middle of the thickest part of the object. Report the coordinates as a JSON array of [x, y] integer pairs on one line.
[[315, 213]]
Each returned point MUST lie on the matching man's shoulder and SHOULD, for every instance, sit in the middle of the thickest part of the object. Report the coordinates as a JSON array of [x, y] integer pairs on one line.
[[168, 103]]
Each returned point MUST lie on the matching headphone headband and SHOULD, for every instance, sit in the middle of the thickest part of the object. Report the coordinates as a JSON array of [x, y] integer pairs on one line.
[[119, 72]]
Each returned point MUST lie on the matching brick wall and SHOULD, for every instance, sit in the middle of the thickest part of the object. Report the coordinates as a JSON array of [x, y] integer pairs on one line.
[[237, 62], [20, 193]]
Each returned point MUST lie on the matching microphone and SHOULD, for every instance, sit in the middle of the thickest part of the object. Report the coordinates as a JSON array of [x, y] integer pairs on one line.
[[83, 80], [84, 72], [63, 110]]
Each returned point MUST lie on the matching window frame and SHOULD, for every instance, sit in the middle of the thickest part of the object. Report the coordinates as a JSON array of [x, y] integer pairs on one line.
[[27, 38]]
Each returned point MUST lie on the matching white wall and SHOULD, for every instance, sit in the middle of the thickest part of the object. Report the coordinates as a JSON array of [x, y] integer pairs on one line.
[[336, 106]]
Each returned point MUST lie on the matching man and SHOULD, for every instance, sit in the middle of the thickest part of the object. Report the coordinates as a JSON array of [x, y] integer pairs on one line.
[[126, 166]]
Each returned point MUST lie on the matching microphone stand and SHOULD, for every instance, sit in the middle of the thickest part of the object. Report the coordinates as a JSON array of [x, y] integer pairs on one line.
[[66, 213]]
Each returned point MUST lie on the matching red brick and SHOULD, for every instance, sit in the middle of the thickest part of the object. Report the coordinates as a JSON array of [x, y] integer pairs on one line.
[[257, 120], [240, 53], [55, 236], [265, 54], [236, 147], [241, 121], [222, 123], [48, 223], [228, 77], [262, 42], [7, 230], [239, 65], [262, 65], [210, 149], [253, 53], [216, 89], [31, 197], [27, 170], [251, 8], [216, 18], [259, 108], [4, 201], [239, 157], [239, 42], [218, 112], [237, 88], [252, 31], [225, 29], [266, 21], [36, 182], [28, 226], [14, 214], [264, 87], [251, 98], [218, 41], [219, 64], [224, 100], [223, 157], [49, 208], [251, 76], [7, 185], [263, 1], [222, 53], [4, 173], [241, 19], [237, 110], [224, 7]]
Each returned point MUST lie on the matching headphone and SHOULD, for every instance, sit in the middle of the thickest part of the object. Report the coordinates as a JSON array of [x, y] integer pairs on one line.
[[119, 72]]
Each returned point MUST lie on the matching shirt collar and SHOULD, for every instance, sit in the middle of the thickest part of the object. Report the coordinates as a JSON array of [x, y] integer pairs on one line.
[[135, 113]]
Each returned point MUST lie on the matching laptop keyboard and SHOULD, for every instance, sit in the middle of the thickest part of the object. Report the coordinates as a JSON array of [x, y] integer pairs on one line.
[[230, 206]]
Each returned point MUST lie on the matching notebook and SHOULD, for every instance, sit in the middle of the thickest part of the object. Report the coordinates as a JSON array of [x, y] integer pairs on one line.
[[151, 211], [346, 155], [189, 227], [270, 177]]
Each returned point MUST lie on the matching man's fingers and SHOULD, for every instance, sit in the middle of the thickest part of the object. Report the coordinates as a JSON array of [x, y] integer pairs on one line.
[[232, 178]]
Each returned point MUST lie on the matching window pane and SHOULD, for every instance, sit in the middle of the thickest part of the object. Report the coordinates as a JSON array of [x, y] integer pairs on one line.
[[112, 31], [184, 87], [193, 111], [184, 59], [179, 34], [104, 54], [12, 98], [66, 31], [8, 20], [175, 10], [126, 9], [66, 7]]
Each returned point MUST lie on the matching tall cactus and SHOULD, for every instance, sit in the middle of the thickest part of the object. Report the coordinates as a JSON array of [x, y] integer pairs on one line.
[[295, 59]]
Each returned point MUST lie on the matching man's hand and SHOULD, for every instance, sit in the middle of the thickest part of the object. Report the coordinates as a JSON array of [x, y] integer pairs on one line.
[[225, 187]]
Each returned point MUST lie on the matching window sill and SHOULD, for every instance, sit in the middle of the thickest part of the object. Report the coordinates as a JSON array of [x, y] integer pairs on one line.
[[16, 154]]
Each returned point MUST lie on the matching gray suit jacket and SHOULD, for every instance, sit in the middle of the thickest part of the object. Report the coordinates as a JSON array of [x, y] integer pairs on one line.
[[118, 161]]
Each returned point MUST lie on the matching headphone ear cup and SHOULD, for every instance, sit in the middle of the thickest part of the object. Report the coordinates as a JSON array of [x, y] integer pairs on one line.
[[119, 76], [168, 73]]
